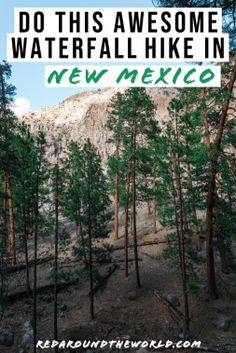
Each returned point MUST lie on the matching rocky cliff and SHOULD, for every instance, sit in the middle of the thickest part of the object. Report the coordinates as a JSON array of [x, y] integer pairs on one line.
[[85, 115]]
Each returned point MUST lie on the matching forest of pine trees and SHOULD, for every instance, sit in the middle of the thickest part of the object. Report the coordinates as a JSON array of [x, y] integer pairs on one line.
[[181, 169]]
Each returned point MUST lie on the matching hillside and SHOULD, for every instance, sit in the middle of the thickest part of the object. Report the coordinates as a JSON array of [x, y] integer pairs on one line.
[[84, 115]]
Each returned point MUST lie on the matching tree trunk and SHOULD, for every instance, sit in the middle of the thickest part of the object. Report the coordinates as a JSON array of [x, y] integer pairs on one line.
[[184, 270], [90, 256], [194, 211], [207, 138], [176, 218], [182, 231], [117, 196], [211, 192], [154, 206], [181, 236], [6, 203], [224, 261], [222, 246], [77, 229], [12, 239], [91, 275], [147, 195], [4, 217], [56, 258], [126, 233], [80, 225], [117, 201], [25, 235], [175, 171], [36, 212], [134, 197]]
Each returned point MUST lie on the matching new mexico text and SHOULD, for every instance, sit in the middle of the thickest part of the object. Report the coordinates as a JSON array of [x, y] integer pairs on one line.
[[133, 76]]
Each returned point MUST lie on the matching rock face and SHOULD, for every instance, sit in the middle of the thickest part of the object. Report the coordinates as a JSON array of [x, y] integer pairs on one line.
[[85, 115]]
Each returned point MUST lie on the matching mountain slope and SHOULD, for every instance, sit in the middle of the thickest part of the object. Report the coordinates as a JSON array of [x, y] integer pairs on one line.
[[85, 115]]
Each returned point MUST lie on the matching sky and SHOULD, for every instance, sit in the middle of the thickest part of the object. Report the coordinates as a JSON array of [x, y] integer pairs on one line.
[[29, 77]]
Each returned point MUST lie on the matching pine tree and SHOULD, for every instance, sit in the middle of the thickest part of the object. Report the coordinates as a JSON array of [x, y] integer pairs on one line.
[[198, 154], [23, 189], [73, 191], [56, 197], [212, 186], [113, 124], [90, 187], [132, 117], [38, 177], [228, 11], [7, 157]]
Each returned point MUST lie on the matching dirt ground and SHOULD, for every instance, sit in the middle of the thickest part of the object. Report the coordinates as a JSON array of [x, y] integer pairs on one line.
[[122, 311]]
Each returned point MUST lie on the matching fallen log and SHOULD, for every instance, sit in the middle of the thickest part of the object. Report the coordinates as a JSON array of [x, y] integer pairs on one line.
[[145, 243], [129, 260], [110, 271], [21, 267], [23, 293], [176, 313]]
